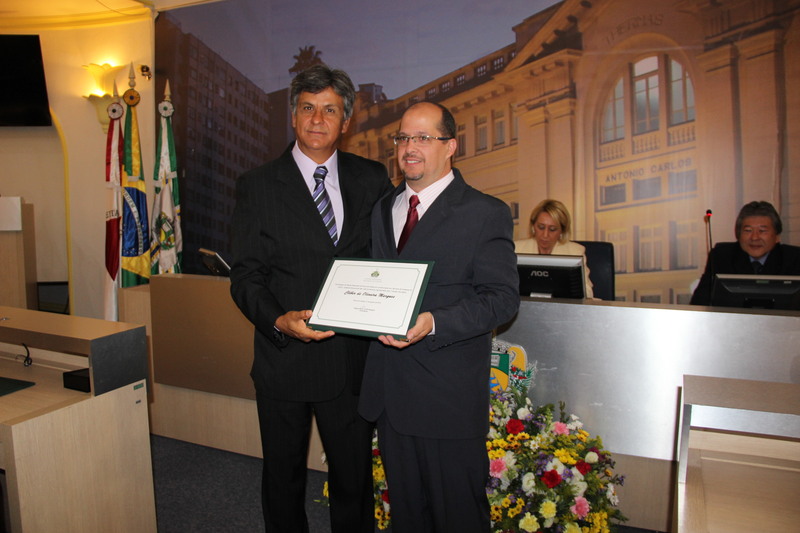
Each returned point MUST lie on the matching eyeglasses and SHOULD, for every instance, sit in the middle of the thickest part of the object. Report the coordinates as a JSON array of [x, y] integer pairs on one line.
[[422, 140]]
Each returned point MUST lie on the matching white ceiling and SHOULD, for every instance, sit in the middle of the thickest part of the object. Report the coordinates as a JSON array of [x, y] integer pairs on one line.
[[15, 12]]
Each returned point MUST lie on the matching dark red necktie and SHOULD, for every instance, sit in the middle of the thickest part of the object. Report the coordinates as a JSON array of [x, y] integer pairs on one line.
[[411, 220]]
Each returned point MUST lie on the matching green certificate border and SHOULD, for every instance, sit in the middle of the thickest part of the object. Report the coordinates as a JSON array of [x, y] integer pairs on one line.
[[375, 269]]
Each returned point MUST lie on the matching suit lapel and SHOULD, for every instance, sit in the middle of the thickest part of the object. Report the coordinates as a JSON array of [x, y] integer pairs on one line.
[[353, 196], [298, 200], [437, 213]]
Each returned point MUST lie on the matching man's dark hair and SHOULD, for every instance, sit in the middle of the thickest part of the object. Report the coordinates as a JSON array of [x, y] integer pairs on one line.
[[318, 78], [759, 209], [447, 127]]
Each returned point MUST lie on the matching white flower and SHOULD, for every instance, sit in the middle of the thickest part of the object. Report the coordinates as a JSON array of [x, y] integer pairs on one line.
[[580, 487], [523, 413], [574, 423], [611, 494], [556, 465], [591, 458], [529, 483]]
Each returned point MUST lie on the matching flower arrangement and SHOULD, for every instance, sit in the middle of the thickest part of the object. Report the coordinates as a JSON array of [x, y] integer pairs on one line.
[[381, 491], [546, 473]]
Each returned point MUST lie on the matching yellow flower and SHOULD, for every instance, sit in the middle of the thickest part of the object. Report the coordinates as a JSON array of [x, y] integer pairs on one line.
[[378, 513], [565, 456], [506, 502], [572, 527], [377, 473], [325, 490], [523, 436], [548, 509], [582, 435], [496, 454], [529, 523]]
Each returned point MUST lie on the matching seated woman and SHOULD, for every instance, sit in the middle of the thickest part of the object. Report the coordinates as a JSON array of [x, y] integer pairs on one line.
[[550, 227]]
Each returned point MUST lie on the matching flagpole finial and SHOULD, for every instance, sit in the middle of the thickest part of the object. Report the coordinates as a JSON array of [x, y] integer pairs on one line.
[[115, 94], [132, 77], [167, 92]]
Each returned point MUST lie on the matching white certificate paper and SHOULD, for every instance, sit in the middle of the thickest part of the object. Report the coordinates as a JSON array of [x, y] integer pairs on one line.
[[370, 298]]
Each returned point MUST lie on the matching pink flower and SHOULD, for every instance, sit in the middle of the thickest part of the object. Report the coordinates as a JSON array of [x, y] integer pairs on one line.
[[497, 467], [560, 428], [581, 507]]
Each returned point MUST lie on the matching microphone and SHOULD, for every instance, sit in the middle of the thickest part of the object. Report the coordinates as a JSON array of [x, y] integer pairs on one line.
[[709, 242]]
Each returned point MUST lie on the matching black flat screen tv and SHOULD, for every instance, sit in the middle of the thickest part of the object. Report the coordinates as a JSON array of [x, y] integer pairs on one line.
[[756, 291], [23, 90], [551, 276]]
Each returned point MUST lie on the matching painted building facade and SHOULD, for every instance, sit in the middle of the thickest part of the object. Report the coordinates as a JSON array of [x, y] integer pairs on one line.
[[639, 116]]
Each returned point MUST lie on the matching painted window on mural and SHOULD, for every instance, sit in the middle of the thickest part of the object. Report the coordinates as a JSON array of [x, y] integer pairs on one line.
[[646, 95], [461, 137], [681, 94], [619, 238], [650, 241], [499, 120], [481, 133], [614, 114], [685, 241]]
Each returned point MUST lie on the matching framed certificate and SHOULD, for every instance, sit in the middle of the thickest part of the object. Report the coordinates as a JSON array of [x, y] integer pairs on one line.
[[371, 298]]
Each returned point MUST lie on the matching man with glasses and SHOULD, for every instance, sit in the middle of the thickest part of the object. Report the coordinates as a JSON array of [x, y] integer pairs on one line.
[[758, 250], [292, 216], [430, 393]]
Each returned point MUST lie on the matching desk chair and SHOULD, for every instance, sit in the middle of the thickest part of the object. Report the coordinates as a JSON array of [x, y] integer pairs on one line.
[[600, 260]]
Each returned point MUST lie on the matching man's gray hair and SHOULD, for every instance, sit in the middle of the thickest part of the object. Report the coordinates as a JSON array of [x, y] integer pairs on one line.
[[316, 79]]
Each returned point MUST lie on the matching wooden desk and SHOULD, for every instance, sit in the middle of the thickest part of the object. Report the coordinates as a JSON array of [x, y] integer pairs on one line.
[[76, 461]]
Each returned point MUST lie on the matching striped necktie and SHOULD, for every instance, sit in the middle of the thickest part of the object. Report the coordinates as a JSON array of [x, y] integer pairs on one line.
[[323, 203]]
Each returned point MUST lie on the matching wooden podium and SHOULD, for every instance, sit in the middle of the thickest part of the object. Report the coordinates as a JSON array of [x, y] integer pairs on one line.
[[75, 461], [17, 254]]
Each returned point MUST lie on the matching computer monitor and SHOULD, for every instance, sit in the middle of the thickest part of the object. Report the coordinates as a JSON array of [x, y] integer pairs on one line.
[[756, 291], [214, 263], [551, 276]]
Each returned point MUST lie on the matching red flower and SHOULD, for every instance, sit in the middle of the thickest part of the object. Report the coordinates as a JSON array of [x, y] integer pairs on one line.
[[385, 496], [551, 478], [515, 426], [376, 452], [583, 467]]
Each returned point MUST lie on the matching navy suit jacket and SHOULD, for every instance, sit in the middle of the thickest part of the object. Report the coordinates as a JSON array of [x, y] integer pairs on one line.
[[439, 386], [729, 258], [281, 253]]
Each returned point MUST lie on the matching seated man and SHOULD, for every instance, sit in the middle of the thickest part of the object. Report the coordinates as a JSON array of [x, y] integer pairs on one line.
[[759, 250]]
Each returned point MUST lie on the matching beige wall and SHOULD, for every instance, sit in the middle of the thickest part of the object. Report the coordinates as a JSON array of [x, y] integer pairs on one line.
[[61, 169]]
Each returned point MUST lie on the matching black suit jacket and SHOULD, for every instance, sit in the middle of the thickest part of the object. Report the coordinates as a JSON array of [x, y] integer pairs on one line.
[[729, 258], [439, 387], [281, 252]]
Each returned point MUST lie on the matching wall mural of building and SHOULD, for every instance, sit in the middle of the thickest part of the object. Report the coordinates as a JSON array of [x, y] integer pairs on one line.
[[221, 127], [639, 116]]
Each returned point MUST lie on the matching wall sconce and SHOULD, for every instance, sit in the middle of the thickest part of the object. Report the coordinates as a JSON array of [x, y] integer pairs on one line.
[[145, 70], [105, 90]]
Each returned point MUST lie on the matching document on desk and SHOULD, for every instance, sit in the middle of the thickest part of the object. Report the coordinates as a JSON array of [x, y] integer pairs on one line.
[[371, 298]]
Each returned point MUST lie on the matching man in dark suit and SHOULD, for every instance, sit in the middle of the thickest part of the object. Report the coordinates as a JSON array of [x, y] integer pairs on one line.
[[430, 393], [758, 250], [292, 216]]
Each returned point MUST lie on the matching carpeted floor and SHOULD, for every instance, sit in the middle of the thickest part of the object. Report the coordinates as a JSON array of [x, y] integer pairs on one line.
[[205, 490]]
